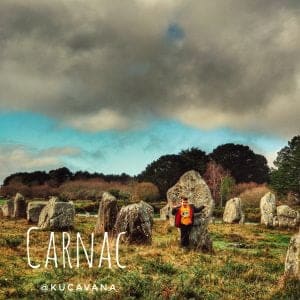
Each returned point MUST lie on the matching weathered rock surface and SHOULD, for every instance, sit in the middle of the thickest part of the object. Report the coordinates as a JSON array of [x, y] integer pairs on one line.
[[165, 212], [57, 215], [233, 212], [287, 217], [8, 209], [136, 220], [292, 261], [268, 209], [107, 214], [192, 186], [19, 206], [34, 209]]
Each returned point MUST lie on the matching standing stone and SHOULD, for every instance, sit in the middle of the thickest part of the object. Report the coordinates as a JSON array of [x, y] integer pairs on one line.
[[233, 212], [192, 186], [57, 215], [107, 214], [267, 209], [34, 210], [19, 206], [136, 220], [292, 261], [165, 212], [8, 208], [287, 217]]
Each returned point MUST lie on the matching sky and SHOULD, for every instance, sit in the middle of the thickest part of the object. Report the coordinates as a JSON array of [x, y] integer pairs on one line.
[[109, 86]]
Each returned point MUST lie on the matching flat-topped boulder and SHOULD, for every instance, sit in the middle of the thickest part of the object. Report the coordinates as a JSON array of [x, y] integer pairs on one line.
[[34, 209], [192, 186], [136, 220], [57, 215], [19, 206], [233, 212], [287, 217], [268, 209], [107, 214]]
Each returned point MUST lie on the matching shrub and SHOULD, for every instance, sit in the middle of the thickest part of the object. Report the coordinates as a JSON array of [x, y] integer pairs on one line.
[[251, 197], [145, 191]]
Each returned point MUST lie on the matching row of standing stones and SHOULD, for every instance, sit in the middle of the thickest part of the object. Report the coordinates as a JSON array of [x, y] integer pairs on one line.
[[137, 219]]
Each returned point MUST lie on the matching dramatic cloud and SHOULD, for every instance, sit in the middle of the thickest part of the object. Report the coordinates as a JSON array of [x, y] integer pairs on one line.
[[98, 65]]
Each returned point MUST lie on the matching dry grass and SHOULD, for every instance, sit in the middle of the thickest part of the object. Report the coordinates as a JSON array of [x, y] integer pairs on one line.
[[159, 271]]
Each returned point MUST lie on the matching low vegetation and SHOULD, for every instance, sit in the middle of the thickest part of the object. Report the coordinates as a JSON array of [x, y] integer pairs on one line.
[[248, 262]]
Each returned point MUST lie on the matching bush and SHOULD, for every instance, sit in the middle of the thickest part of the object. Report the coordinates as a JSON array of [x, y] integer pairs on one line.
[[251, 197], [145, 191]]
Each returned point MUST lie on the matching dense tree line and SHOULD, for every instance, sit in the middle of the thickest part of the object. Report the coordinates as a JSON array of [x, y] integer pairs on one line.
[[55, 178], [237, 161]]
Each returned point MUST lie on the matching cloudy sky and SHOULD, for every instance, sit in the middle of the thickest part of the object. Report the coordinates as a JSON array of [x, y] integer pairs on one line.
[[108, 86]]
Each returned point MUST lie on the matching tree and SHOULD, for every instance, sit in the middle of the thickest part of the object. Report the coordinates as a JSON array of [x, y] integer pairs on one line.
[[59, 176], [165, 171], [195, 159], [226, 189], [213, 176], [242, 163], [286, 177]]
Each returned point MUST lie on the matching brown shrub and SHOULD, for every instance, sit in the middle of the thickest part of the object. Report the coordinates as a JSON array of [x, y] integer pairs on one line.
[[12, 189], [251, 197], [88, 189], [91, 189], [145, 191], [242, 187]]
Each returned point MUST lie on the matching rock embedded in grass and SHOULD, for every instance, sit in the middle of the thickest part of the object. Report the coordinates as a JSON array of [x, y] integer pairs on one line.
[[268, 209], [137, 221], [107, 214], [57, 215], [19, 206], [192, 186], [8, 209], [292, 261], [165, 212], [233, 212], [34, 209], [287, 217]]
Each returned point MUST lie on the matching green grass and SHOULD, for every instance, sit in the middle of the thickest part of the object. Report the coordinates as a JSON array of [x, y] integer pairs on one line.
[[159, 271]]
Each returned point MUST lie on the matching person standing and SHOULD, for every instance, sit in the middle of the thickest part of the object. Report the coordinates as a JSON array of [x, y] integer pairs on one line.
[[184, 219]]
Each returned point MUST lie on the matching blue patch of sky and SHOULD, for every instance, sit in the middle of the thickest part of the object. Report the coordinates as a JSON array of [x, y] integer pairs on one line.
[[122, 151], [175, 32]]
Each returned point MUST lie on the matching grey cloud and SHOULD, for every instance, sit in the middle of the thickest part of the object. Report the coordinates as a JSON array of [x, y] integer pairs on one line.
[[18, 158], [81, 60]]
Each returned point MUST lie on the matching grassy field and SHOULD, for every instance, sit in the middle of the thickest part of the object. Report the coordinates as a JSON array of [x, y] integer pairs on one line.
[[248, 263]]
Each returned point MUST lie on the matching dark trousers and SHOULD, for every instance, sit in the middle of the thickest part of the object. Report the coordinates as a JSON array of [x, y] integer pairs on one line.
[[185, 235]]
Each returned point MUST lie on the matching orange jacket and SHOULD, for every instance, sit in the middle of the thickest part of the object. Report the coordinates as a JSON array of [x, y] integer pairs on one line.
[[176, 212]]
